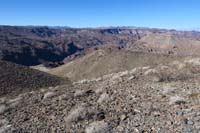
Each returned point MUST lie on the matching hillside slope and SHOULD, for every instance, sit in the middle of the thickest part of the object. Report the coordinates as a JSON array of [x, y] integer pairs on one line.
[[15, 79], [106, 61], [162, 98], [170, 44]]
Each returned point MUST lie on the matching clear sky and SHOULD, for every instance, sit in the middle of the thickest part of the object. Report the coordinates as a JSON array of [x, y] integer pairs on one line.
[[179, 14]]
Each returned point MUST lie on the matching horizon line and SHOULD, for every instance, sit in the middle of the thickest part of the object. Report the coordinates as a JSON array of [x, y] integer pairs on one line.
[[106, 27]]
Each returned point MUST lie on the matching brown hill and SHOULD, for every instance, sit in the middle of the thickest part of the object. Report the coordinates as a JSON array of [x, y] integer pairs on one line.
[[106, 61], [170, 44], [15, 79]]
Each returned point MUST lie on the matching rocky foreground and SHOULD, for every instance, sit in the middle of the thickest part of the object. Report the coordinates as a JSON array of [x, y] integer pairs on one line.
[[162, 98]]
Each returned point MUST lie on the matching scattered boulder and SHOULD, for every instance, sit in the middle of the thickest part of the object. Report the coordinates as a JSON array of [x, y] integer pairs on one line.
[[2, 108], [14, 102], [145, 67], [100, 116], [79, 93], [98, 127], [155, 78], [151, 72], [49, 95], [123, 117], [76, 114], [131, 77], [99, 90], [133, 71], [103, 98], [177, 100], [4, 126], [2, 100], [181, 66], [163, 67], [124, 73], [80, 113], [153, 75], [167, 89], [194, 62]]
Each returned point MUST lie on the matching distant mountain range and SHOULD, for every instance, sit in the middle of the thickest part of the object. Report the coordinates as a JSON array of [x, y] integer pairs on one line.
[[33, 45]]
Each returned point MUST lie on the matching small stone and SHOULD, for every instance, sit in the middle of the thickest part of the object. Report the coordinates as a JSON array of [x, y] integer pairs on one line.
[[119, 128], [79, 93], [123, 117], [150, 72], [2, 100], [132, 77], [187, 110], [100, 116], [177, 100], [99, 90], [2, 108], [14, 102], [155, 79], [156, 113], [103, 98], [137, 111], [188, 129], [80, 112], [4, 128], [179, 113], [88, 92], [136, 130], [49, 95], [75, 114], [189, 122]]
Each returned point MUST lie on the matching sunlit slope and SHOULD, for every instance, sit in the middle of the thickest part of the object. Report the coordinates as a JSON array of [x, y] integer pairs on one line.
[[101, 62], [170, 44]]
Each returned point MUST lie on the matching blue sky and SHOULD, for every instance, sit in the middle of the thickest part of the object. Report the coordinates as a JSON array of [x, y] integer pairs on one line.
[[179, 14]]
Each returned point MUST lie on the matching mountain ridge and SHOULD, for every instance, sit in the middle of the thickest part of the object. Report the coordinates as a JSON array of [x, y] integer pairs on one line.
[[33, 45]]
